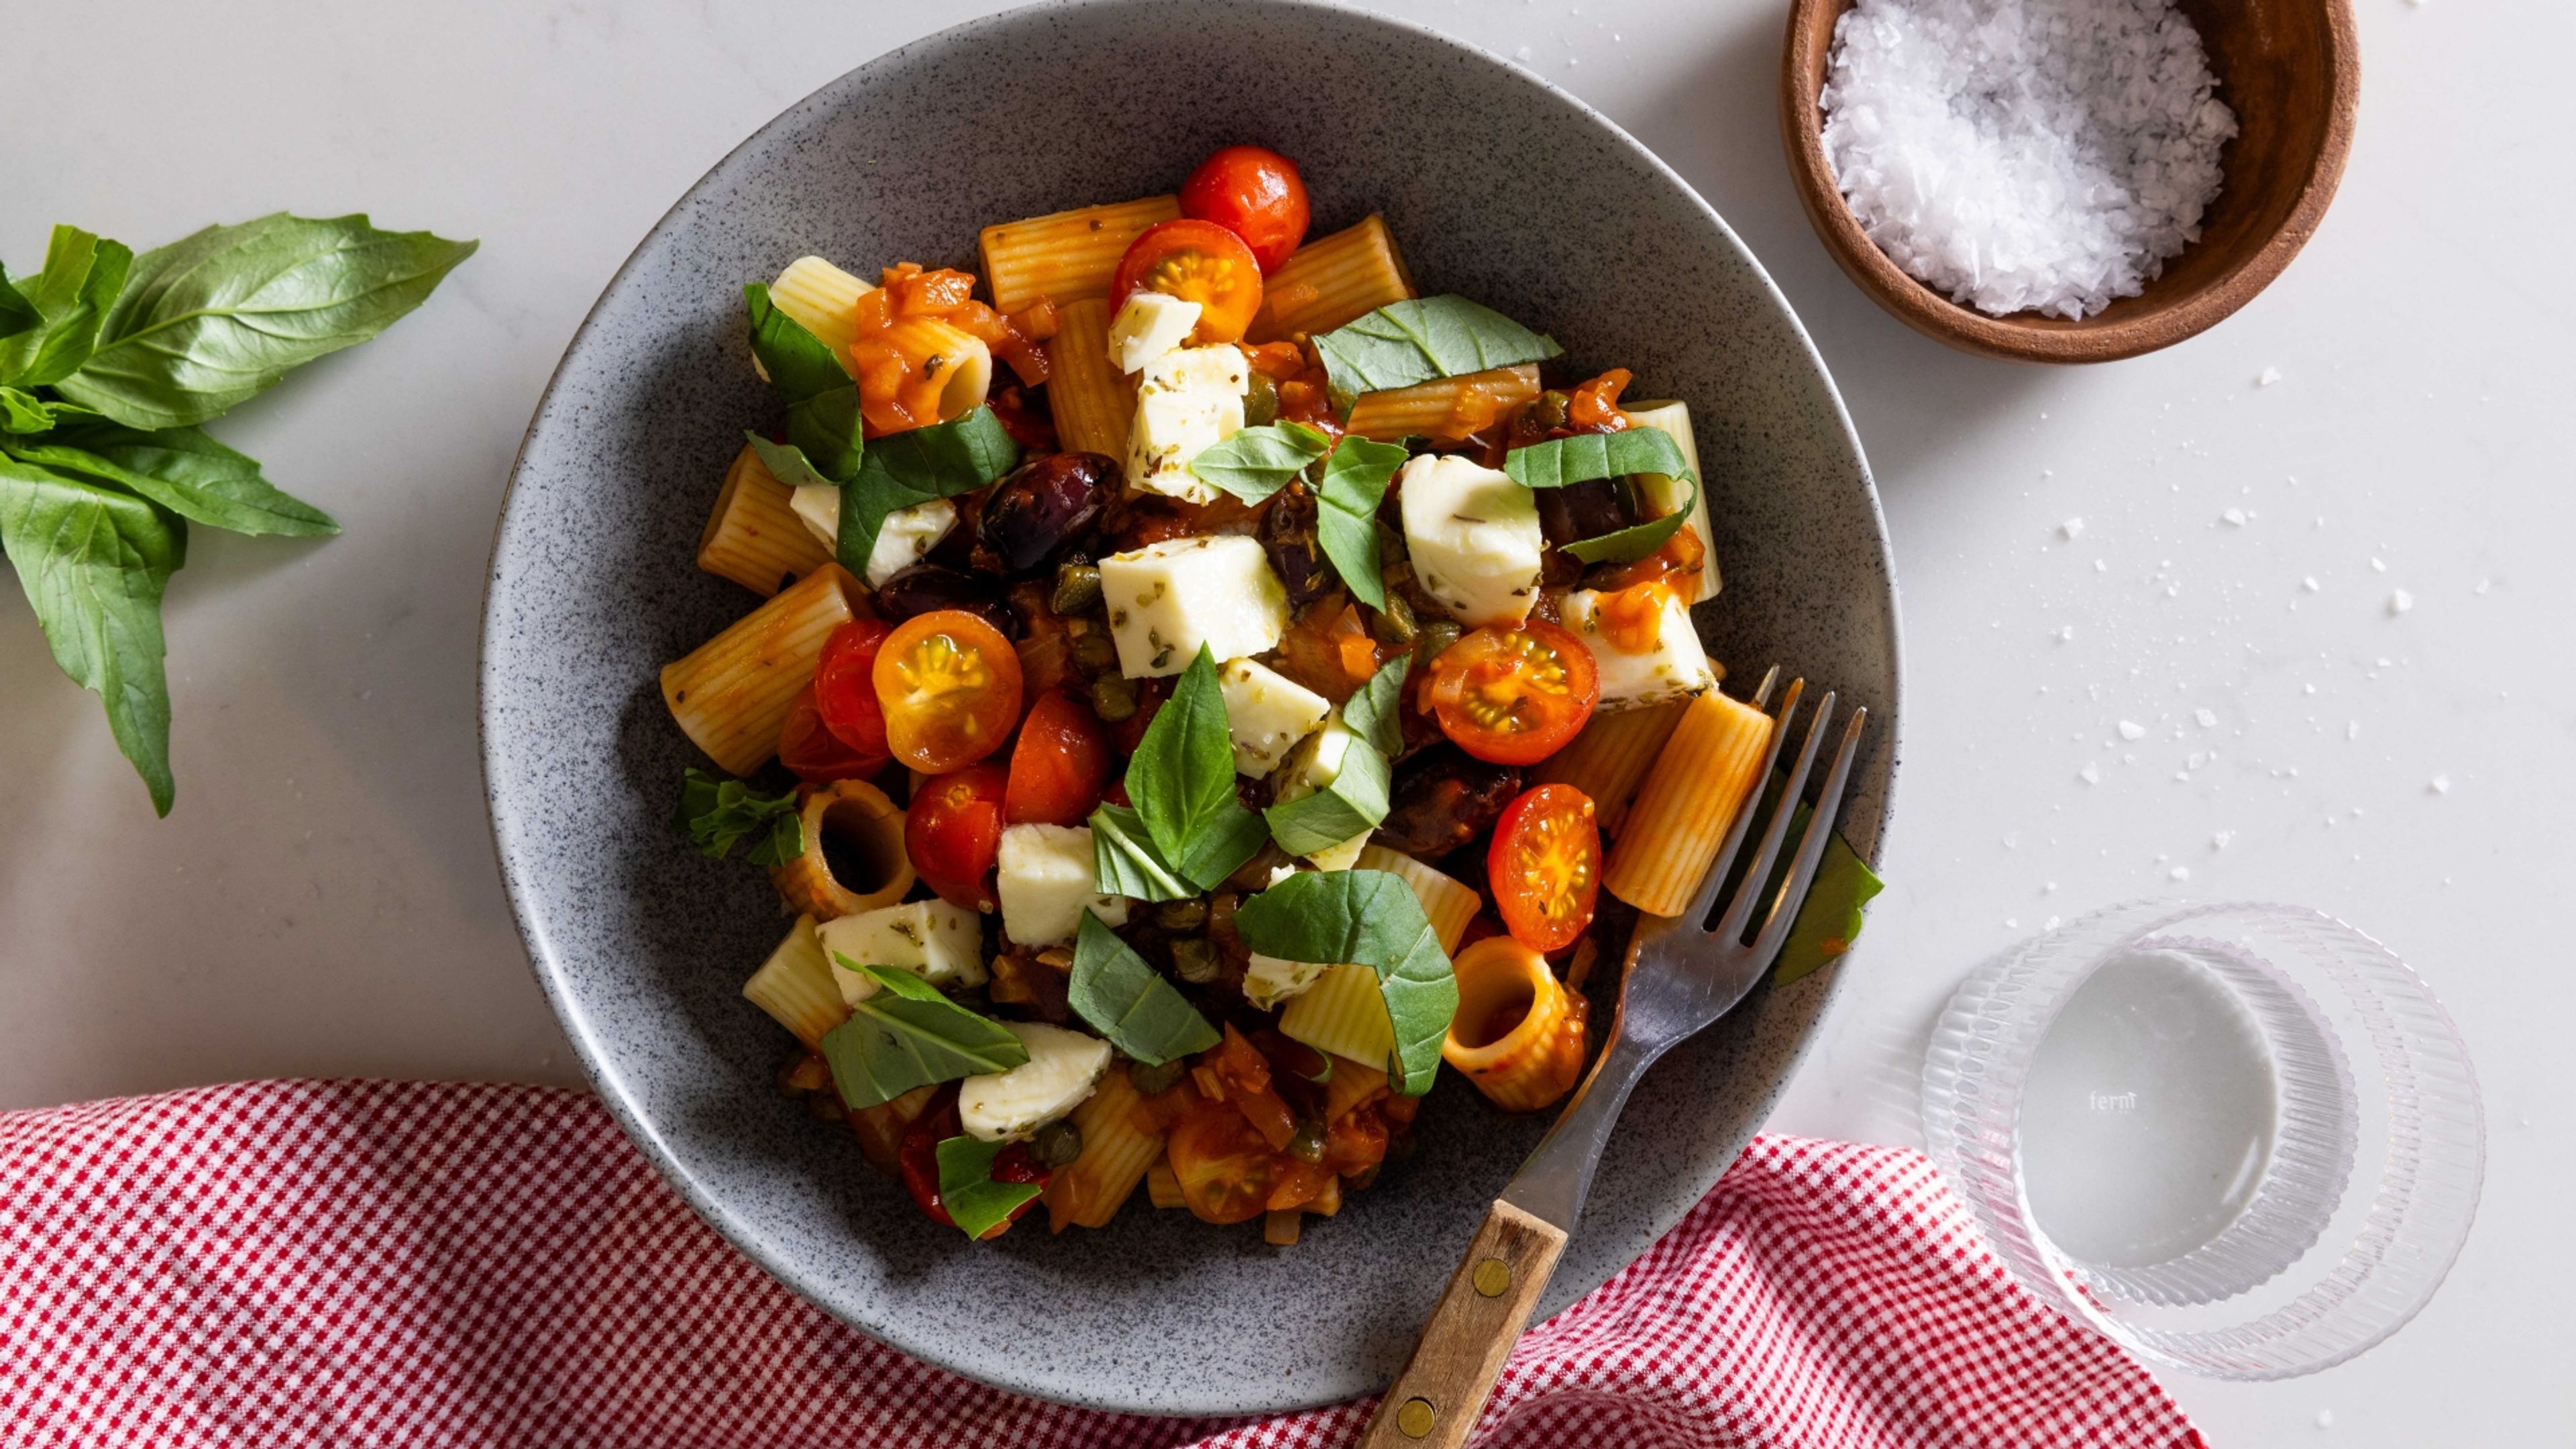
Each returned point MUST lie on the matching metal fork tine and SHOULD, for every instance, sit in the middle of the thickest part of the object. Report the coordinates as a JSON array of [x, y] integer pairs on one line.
[[1696, 913], [1739, 911], [1811, 846]]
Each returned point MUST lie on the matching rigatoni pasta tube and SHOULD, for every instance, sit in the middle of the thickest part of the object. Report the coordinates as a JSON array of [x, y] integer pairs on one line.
[[1163, 1186], [1343, 1013], [1518, 1033], [1608, 759], [1332, 280], [1067, 256], [822, 299], [754, 536], [732, 693], [858, 813], [1449, 904], [1094, 403], [1117, 1150], [948, 368], [1690, 797], [1666, 493], [1445, 407], [795, 986]]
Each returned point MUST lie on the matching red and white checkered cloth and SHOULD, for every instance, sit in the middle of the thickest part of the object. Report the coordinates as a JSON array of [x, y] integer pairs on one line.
[[375, 1263]]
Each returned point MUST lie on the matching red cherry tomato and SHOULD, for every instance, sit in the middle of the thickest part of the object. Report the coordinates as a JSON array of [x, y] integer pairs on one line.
[[1255, 194], [1514, 695], [1059, 766], [1226, 1168], [1545, 866], [1196, 261], [845, 688], [816, 755], [953, 832], [949, 684]]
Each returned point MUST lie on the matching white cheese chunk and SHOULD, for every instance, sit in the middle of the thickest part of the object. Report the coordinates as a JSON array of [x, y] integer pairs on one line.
[[1046, 881], [1186, 400], [1167, 599], [905, 538], [1673, 667], [1474, 538], [940, 943], [1267, 713], [1063, 1068], [1268, 980], [1149, 325], [1315, 763]]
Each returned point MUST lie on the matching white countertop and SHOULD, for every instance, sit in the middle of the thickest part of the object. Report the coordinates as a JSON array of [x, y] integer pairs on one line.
[[324, 899]]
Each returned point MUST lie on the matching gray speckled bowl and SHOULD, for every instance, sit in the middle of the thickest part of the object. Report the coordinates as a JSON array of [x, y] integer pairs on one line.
[[1498, 186]]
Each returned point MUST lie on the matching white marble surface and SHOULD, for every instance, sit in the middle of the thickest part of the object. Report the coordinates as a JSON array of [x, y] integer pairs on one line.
[[324, 899]]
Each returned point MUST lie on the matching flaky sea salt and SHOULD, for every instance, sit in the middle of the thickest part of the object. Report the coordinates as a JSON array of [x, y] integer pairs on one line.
[[2047, 155]]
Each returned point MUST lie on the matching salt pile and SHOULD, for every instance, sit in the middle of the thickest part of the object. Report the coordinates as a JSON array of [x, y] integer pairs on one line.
[[2025, 154]]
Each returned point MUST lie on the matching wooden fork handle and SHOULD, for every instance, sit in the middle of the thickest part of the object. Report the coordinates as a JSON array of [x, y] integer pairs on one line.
[[1436, 1400]]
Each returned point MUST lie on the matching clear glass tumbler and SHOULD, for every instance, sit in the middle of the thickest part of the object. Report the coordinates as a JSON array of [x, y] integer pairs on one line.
[[2243, 1140]]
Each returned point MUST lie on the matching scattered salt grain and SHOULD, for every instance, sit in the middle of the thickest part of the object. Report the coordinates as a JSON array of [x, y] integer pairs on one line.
[[2131, 730], [2090, 774], [2439, 785], [2207, 719], [2219, 840], [2047, 155], [2267, 377], [2071, 528], [2378, 567], [2235, 516], [2180, 872], [2400, 601], [2310, 583]]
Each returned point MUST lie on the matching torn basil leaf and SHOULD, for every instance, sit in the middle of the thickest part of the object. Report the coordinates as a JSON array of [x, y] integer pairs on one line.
[[1257, 462], [1586, 456], [70, 299], [909, 1035], [912, 467], [183, 470], [1348, 494], [1371, 713], [1374, 919], [1403, 343], [1129, 1003], [967, 1191], [1182, 780], [1631, 544], [717, 813]]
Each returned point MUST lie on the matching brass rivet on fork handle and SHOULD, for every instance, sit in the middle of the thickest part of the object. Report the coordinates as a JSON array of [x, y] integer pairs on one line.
[[1414, 1418]]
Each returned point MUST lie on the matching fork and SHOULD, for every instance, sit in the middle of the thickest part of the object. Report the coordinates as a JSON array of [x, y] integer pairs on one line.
[[1680, 976]]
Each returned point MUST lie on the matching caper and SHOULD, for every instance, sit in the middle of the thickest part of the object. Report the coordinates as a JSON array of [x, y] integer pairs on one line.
[[1113, 698], [1077, 590], [1195, 960], [1551, 411], [1395, 622], [1260, 401], [1094, 652], [1434, 637], [1057, 1144], [1149, 1080], [1308, 1143], [1390, 545], [1186, 915]]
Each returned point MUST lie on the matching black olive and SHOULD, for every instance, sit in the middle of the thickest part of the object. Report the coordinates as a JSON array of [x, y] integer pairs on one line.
[[1443, 798], [1288, 535], [924, 587], [1579, 511], [1046, 503]]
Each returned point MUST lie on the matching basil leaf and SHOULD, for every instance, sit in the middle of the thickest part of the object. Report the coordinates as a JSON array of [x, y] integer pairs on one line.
[[907, 1036], [1354, 803], [1830, 918], [716, 814], [24, 412], [94, 562], [1371, 713], [17, 314], [915, 466], [973, 1200], [219, 317], [822, 398], [1631, 544], [1403, 343], [787, 463], [1586, 456], [1182, 780], [1124, 861], [70, 297], [1353, 485], [1129, 1003], [1372, 918], [1257, 462], [183, 470]]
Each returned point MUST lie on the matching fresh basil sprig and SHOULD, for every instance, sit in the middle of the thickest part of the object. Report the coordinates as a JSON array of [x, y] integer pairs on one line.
[[1403, 343], [1374, 919], [916, 466], [1586, 456], [1257, 462], [1627, 545], [1182, 780], [909, 1035], [716, 814], [1129, 1003], [1351, 488], [973, 1200], [108, 361]]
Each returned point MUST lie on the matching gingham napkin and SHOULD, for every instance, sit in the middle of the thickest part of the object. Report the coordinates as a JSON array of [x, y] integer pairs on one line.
[[354, 1264]]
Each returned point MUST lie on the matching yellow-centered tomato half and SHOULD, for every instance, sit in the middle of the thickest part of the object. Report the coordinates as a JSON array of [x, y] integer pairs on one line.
[[949, 684], [1514, 695], [1545, 866], [1196, 261]]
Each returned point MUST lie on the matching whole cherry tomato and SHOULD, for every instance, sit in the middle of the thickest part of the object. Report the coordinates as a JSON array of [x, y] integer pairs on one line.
[[816, 755], [949, 684], [1545, 866], [1196, 261], [845, 687], [1514, 695], [1059, 766], [953, 833], [1255, 194]]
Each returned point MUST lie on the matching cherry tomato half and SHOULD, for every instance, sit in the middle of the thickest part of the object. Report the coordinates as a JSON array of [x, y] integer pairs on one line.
[[1545, 866], [1060, 764], [1255, 194], [1514, 695], [816, 755], [845, 688], [949, 684], [1226, 1168], [1196, 261], [953, 832]]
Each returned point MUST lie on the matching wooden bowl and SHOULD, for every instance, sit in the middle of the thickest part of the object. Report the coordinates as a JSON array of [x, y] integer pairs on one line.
[[2291, 70]]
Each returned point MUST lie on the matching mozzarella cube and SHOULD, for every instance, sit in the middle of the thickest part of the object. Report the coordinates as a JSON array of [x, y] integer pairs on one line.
[[1063, 1068], [1474, 538], [1046, 881], [1186, 400], [1269, 981], [1672, 667], [905, 538], [940, 943], [1149, 325], [1267, 713], [1314, 764], [1167, 599]]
